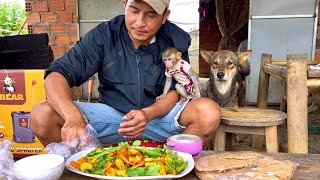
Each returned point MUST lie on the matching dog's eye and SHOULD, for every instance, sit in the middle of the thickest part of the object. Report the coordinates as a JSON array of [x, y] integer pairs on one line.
[[215, 63], [229, 63]]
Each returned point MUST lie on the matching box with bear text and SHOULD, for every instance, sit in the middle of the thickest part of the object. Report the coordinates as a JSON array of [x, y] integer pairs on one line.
[[20, 91]]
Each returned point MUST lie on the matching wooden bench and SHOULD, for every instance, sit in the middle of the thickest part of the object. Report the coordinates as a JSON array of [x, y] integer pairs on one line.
[[249, 121]]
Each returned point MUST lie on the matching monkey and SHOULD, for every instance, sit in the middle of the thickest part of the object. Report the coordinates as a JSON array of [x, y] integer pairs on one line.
[[188, 85]]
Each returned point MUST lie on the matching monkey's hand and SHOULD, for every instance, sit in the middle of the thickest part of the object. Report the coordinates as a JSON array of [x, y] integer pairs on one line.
[[162, 96], [197, 95], [135, 124]]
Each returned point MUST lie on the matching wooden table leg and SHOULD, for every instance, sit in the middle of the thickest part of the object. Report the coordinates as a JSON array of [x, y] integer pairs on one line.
[[262, 98], [220, 138], [228, 141], [283, 100], [272, 143]]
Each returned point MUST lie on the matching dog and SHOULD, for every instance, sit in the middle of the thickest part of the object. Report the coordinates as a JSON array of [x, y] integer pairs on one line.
[[227, 71]]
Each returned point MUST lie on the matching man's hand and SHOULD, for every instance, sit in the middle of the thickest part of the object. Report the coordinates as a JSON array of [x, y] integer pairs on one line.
[[72, 130], [135, 125]]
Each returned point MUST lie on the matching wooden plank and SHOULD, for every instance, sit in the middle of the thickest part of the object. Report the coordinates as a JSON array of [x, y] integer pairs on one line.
[[253, 117], [313, 73], [245, 130], [297, 102], [277, 71], [284, 63], [313, 82]]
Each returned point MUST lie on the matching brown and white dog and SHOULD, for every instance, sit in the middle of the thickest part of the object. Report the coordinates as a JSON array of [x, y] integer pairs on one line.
[[227, 70]]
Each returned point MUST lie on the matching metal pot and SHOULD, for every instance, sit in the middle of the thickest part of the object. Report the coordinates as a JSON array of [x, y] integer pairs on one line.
[[187, 143]]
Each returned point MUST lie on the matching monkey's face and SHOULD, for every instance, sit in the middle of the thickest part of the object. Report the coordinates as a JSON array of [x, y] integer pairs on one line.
[[170, 61]]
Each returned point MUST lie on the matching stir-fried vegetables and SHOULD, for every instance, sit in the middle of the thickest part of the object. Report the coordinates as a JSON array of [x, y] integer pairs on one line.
[[125, 160]]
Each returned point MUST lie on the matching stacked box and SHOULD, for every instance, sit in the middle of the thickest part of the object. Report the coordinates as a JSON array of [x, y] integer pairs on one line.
[[20, 91]]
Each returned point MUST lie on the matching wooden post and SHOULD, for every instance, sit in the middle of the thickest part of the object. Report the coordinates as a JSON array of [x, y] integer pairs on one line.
[[262, 99], [263, 87], [220, 138], [297, 103]]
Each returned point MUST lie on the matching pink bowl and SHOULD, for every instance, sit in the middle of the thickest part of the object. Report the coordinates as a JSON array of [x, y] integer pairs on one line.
[[187, 143]]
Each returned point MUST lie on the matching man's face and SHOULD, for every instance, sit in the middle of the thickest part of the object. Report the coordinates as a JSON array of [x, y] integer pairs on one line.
[[142, 21]]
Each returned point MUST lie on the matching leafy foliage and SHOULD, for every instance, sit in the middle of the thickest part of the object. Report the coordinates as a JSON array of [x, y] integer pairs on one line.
[[12, 17]]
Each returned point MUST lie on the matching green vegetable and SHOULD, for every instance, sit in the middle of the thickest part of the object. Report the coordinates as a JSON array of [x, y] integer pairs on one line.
[[169, 152], [169, 169], [151, 152], [95, 151], [184, 165], [101, 162], [136, 143], [106, 151], [165, 148], [123, 144], [174, 155], [153, 170], [178, 169], [178, 162], [144, 171], [97, 170]]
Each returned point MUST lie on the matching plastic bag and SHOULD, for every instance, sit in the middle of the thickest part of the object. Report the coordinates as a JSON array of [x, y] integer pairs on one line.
[[6, 160], [67, 149]]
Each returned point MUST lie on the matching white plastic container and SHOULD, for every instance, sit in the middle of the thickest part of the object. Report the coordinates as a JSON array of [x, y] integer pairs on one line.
[[39, 167]]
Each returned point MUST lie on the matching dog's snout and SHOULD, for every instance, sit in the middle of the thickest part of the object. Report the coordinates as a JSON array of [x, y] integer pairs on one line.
[[220, 75]]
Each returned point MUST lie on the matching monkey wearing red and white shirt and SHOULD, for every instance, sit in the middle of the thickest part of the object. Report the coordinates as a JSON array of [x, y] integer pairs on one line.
[[188, 85]]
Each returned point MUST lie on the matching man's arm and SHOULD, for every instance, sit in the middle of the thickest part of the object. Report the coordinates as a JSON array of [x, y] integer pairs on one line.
[[59, 96], [162, 106]]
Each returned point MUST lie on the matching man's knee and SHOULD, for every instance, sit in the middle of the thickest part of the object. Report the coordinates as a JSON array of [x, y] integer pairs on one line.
[[39, 117], [209, 116]]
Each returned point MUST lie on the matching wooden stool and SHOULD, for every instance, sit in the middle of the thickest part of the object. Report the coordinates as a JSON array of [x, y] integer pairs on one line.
[[249, 121]]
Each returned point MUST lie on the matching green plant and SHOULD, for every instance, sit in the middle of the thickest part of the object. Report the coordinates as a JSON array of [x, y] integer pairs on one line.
[[12, 17]]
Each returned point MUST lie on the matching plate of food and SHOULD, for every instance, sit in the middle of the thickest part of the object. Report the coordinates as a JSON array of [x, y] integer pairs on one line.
[[131, 162]]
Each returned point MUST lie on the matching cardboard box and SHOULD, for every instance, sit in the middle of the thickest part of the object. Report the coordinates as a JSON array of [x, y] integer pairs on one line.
[[20, 91]]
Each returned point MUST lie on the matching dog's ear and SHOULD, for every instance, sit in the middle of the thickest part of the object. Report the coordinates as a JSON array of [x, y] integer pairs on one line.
[[243, 56], [206, 55]]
